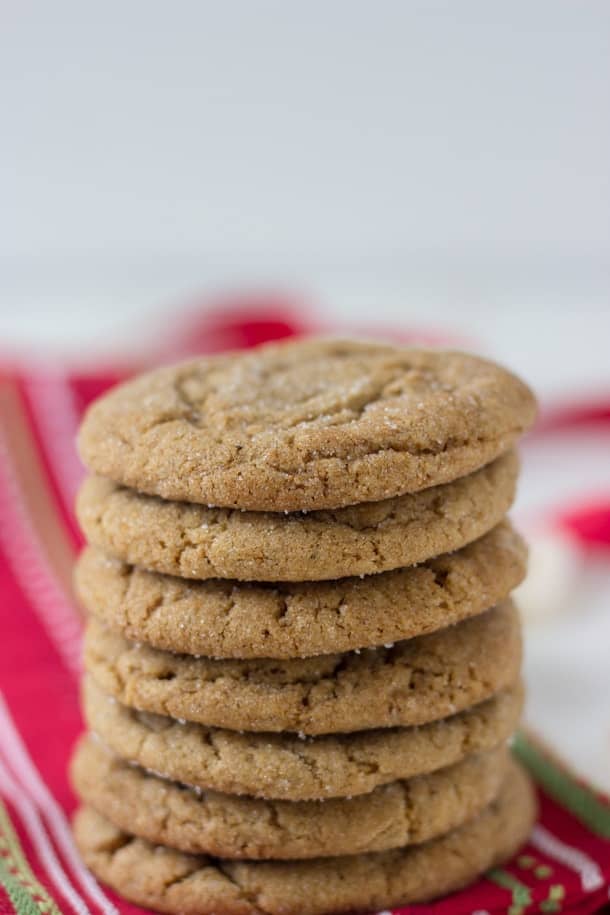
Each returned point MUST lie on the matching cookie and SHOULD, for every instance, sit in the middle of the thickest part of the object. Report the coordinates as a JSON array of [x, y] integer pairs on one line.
[[170, 881], [193, 541], [410, 683], [283, 766], [305, 425], [232, 620], [206, 822]]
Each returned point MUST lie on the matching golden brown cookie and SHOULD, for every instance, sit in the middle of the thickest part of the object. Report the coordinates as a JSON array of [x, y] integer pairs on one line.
[[173, 882], [206, 822], [411, 683], [192, 541], [305, 425], [241, 620], [283, 766]]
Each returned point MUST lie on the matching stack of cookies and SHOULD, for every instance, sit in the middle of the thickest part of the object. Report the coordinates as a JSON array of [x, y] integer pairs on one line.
[[302, 662]]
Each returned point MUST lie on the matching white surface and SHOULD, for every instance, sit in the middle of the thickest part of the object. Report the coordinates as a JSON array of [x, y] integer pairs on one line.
[[428, 162], [566, 601], [567, 672], [551, 587], [324, 129]]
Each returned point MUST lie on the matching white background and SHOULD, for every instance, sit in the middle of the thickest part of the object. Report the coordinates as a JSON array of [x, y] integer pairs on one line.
[[441, 163]]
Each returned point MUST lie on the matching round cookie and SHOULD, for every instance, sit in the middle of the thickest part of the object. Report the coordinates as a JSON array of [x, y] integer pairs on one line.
[[411, 683], [397, 814], [173, 882], [305, 425], [230, 620], [283, 766], [193, 541]]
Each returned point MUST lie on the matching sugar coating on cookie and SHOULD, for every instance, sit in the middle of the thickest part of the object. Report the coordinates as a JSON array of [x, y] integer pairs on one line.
[[284, 766], [410, 683], [193, 541], [306, 425], [229, 619], [401, 813]]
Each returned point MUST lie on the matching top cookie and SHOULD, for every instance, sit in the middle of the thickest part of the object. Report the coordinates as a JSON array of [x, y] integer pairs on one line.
[[305, 425]]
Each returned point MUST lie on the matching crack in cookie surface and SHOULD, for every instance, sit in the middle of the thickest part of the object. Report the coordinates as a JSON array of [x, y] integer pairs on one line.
[[410, 683]]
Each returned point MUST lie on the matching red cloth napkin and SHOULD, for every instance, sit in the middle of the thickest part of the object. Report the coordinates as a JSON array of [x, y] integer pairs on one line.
[[565, 867]]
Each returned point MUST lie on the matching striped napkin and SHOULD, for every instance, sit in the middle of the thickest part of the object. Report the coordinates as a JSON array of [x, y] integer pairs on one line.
[[565, 867]]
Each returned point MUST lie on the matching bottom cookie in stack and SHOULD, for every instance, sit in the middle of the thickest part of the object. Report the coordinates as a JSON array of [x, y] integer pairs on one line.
[[172, 881]]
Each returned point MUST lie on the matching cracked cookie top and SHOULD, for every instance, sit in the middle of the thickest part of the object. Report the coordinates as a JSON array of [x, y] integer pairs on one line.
[[410, 683], [400, 813], [228, 619], [194, 541], [305, 425], [286, 767]]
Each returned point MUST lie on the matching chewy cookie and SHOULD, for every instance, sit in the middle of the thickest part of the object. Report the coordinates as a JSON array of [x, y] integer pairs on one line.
[[206, 822], [173, 882], [193, 541], [284, 766], [302, 659], [410, 683], [305, 425], [241, 620]]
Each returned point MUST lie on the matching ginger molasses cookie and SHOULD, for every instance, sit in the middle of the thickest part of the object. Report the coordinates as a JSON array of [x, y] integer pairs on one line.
[[193, 541], [409, 683], [206, 822], [284, 766], [170, 881], [305, 425], [228, 619]]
